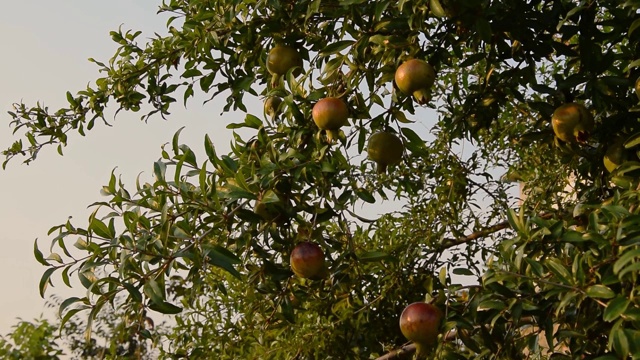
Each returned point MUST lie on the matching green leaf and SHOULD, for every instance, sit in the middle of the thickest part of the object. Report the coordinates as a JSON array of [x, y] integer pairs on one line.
[[634, 268], [133, 292], [600, 291], [45, 280], [536, 267], [160, 170], [191, 73], [65, 276], [462, 271], [253, 121], [65, 304], [222, 258], [165, 308], [491, 304], [633, 140], [270, 197], [55, 257], [413, 137], [373, 256], [38, 254], [625, 259], [620, 342], [81, 244], [573, 236], [365, 195], [559, 270], [484, 29], [401, 117], [100, 228], [336, 47], [615, 308], [87, 278], [154, 292], [515, 221]]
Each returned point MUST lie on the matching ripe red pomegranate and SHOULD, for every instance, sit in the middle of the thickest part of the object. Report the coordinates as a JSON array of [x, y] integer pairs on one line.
[[420, 323], [330, 114], [307, 260], [416, 77]]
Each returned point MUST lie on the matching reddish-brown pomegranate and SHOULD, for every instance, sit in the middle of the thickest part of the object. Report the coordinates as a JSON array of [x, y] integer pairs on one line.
[[307, 260], [416, 77], [330, 114], [420, 323]]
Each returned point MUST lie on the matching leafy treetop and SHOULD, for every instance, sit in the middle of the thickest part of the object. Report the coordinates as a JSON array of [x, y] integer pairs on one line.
[[209, 238]]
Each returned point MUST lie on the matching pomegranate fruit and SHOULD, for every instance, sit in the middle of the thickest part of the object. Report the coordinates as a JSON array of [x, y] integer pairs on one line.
[[572, 122], [307, 260], [272, 106], [416, 77], [420, 323], [282, 58], [330, 114], [385, 149]]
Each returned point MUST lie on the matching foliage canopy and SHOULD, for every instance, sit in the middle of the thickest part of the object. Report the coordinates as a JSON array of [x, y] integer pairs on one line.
[[559, 267]]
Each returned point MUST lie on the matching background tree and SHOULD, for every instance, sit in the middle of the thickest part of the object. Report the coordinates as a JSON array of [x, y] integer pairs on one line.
[[111, 337], [31, 341], [210, 237]]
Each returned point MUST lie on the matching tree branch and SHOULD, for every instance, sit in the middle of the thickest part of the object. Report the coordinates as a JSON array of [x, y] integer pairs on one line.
[[406, 351], [449, 243]]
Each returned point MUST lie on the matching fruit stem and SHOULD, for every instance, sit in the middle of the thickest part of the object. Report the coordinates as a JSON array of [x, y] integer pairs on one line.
[[381, 168], [275, 81], [332, 134], [421, 351]]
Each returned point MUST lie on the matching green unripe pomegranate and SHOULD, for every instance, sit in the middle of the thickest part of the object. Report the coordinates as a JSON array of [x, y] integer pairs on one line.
[[272, 105], [385, 149], [572, 122], [282, 58]]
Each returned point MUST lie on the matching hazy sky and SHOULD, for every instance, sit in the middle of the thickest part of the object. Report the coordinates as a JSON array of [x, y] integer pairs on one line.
[[45, 47]]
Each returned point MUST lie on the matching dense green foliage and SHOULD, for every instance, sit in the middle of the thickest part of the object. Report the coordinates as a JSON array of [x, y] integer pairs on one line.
[[111, 337], [559, 267]]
